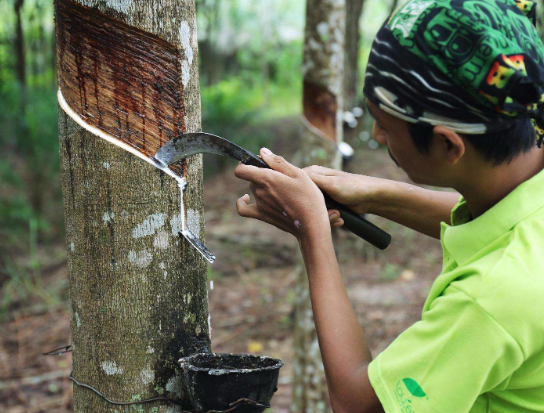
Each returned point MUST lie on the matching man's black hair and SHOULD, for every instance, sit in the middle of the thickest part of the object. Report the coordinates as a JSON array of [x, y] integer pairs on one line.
[[497, 147]]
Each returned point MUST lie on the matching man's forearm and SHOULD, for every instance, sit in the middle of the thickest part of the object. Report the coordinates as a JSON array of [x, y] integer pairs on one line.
[[414, 207], [342, 341]]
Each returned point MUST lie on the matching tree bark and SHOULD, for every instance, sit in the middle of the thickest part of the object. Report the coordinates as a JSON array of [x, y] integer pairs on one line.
[[322, 130], [138, 290], [354, 8]]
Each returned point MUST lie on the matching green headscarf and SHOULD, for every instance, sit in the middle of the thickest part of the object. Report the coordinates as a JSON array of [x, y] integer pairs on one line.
[[471, 65]]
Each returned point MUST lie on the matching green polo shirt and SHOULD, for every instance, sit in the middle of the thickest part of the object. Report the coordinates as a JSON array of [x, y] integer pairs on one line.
[[479, 346]]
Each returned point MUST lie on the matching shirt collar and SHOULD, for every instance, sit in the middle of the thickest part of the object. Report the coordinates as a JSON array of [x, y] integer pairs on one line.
[[465, 237]]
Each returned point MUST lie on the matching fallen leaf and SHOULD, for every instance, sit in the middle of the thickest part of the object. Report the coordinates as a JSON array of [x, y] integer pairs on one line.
[[254, 346], [407, 275]]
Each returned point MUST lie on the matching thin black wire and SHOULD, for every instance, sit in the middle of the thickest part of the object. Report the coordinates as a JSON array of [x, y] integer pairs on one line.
[[233, 405], [59, 351], [153, 399]]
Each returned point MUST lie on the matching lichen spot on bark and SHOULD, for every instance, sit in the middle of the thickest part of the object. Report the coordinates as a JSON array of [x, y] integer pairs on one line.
[[140, 259], [121, 6], [147, 375], [185, 73], [108, 216], [162, 240], [111, 368], [149, 226], [185, 39], [176, 224], [173, 385], [78, 320], [193, 221], [323, 30]]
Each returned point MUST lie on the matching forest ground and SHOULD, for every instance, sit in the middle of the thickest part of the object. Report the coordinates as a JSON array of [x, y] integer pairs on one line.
[[251, 302]]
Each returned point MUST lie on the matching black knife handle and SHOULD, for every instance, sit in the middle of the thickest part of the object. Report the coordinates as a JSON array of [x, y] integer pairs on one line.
[[359, 225], [352, 221]]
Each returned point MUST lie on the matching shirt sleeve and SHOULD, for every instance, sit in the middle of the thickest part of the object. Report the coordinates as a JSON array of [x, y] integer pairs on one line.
[[445, 361]]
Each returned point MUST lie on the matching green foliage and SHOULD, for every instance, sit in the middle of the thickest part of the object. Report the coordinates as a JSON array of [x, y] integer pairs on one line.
[[234, 109], [29, 163], [21, 278]]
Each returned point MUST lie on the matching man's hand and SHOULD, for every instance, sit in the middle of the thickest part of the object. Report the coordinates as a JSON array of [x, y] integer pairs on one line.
[[412, 206], [285, 197], [355, 191]]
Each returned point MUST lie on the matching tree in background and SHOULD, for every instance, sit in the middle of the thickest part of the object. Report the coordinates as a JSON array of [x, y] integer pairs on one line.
[[540, 18], [19, 46], [138, 291], [354, 9], [322, 69]]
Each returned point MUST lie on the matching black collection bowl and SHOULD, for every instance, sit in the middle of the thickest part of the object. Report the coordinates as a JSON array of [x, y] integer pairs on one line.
[[218, 381]]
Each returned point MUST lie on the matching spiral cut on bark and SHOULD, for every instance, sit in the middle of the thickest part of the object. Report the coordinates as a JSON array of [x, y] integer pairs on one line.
[[119, 80]]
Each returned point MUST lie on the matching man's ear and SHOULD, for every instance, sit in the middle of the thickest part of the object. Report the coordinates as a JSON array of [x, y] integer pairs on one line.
[[453, 144]]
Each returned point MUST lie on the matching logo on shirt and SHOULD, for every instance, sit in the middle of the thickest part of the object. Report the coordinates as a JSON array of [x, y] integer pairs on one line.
[[411, 387]]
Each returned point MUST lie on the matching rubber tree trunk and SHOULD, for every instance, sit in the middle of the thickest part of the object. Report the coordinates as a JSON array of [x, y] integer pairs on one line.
[[322, 131], [138, 291], [354, 8]]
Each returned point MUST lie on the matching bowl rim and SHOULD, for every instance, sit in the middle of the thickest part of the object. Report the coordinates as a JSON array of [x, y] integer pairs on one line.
[[186, 363]]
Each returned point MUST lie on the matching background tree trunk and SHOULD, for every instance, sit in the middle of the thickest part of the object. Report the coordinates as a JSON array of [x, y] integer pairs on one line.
[[19, 45], [138, 291], [540, 18], [394, 5], [354, 9], [322, 130]]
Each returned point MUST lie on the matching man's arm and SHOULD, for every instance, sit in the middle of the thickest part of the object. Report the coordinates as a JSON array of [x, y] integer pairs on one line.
[[342, 341], [287, 198], [412, 206]]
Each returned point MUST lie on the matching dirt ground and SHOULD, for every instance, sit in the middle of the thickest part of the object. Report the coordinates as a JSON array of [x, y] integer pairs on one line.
[[251, 302]]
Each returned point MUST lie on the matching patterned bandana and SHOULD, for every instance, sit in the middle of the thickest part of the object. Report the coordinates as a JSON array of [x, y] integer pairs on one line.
[[471, 65]]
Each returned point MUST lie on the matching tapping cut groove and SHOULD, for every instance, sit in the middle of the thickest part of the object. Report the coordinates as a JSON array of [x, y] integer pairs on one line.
[[319, 108], [119, 79]]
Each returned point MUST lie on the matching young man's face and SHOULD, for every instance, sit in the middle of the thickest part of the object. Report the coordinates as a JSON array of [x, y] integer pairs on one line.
[[393, 132]]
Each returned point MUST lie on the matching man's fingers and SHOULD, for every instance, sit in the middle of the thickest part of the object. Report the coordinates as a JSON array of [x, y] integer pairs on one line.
[[334, 218], [251, 173], [333, 214], [247, 210], [338, 223], [278, 163], [324, 182], [321, 170]]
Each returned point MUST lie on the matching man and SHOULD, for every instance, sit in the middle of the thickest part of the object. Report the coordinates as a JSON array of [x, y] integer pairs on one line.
[[455, 87]]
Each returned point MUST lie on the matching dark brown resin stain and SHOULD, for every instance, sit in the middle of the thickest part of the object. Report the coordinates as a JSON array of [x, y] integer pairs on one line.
[[118, 78], [319, 106]]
